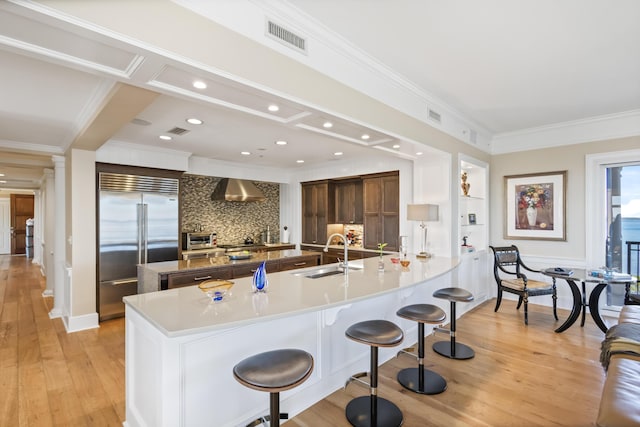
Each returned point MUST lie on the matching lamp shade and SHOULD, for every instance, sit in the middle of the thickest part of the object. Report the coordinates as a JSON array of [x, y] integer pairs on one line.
[[423, 212]]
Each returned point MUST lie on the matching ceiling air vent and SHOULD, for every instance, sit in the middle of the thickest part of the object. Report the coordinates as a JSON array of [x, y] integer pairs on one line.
[[435, 116], [473, 136], [285, 36], [178, 131]]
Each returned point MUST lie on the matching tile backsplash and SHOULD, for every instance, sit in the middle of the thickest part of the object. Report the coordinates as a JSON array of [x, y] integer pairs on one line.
[[233, 221]]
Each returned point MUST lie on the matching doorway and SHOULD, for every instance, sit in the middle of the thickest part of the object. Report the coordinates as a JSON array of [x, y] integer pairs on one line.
[[21, 210], [623, 221]]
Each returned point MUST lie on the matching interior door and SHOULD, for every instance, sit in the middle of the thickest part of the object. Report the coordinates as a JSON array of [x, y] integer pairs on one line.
[[21, 210]]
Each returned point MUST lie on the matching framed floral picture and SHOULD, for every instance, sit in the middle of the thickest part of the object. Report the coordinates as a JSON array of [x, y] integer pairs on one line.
[[535, 206]]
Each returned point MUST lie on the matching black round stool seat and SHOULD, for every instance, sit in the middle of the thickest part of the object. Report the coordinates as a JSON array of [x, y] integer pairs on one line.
[[273, 372], [454, 294], [421, 380], [423, 313], [452, 349], [376, 333], [370, 411]]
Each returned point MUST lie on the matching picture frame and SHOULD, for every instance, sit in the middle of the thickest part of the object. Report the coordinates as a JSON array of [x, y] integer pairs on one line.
[[472, 219], [535, 206]]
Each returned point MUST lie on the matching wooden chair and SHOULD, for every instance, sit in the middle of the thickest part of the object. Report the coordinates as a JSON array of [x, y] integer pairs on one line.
[[507, 263]]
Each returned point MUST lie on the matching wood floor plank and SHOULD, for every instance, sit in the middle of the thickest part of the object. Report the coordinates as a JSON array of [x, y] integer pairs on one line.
[[521, 375]]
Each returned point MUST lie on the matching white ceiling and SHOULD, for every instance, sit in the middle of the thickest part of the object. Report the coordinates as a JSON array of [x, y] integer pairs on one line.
[[499, 66], [509, 65]]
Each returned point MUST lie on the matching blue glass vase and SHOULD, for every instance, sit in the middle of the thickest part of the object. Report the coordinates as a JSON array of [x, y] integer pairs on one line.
[[260, 281]]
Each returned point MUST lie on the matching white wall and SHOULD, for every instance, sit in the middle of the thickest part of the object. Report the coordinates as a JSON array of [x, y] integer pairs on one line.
[[5, 226]]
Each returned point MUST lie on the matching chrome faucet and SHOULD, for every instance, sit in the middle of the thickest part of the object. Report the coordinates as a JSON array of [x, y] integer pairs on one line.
[[345, 264]]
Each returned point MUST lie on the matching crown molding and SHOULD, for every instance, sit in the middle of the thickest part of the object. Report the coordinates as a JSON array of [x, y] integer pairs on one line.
[[599, 128], [27, 147]]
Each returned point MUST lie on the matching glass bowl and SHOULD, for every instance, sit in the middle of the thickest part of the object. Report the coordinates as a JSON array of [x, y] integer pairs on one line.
[[216, 290]]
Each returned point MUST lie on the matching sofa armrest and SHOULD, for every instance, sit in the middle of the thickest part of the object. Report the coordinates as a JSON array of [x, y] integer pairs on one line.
[[619, 403]]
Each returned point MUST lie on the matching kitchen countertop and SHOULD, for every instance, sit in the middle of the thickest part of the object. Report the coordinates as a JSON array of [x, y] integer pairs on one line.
[[341, 248], [166, 267], [219, 248], [186, 311]]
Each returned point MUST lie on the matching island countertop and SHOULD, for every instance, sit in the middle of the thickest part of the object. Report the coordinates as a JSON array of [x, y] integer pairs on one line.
[[186, 311]]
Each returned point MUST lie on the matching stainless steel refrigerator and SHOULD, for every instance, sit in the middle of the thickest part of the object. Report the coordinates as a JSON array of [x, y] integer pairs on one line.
[[137, 224]]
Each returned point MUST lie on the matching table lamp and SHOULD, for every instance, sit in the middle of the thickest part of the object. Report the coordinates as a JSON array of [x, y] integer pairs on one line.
[[423, 213]]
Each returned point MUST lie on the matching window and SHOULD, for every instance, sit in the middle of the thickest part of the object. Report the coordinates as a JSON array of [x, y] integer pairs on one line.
[[612, 187], [623, 222]]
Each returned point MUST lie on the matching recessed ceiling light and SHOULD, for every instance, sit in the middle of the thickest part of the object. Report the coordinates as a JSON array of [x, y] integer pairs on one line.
[[365, 136], [273, 107], [194, 121], [199, 84], [245, 153], [165, 137], [1, 174], [281, 142], [299, 161], [3, 182], [419, 153], [396, 146], [327, 125], [338, 153]]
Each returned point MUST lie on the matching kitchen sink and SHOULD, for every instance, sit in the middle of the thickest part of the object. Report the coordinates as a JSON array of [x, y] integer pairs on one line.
[[324, 271]]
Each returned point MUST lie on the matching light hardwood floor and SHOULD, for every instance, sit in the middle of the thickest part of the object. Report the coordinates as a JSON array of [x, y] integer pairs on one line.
[[521, 375]]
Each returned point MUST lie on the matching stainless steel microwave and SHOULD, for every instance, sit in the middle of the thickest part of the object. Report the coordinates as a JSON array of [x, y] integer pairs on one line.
[[200, 240]]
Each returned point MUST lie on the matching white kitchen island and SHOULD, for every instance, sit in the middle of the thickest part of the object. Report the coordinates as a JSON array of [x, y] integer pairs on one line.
[[181, 348]]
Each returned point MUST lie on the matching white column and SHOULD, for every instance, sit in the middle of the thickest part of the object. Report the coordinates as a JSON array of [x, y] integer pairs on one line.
[[37, 227], [59, 239], [48, 227]]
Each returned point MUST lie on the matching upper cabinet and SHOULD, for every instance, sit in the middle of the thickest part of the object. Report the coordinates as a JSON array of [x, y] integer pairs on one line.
[[317, 211], [371, 200], [473, 216], [381, 200], [348, 196]]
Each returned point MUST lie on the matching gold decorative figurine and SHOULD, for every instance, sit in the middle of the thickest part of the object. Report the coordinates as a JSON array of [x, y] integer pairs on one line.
[[465, 185]]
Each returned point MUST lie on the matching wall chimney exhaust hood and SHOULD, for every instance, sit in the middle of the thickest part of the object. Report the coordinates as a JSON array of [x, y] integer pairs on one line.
[[237, 190]]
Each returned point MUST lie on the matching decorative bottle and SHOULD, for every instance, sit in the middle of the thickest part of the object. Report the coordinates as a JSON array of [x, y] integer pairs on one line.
[[260, 281]]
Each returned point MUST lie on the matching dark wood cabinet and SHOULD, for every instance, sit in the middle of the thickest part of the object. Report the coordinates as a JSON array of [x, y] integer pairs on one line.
[[299, 262], [317, 211], [189, 278], [235, 271], [348, 201], [372, 200], [381, 201]]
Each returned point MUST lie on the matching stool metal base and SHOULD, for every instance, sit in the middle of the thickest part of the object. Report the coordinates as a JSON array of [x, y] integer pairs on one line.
[[461, 352], [359, 412], [423, 381], [266, 420]]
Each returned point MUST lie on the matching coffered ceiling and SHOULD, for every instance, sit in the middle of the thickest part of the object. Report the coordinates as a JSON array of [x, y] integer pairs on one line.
[[494, 67]]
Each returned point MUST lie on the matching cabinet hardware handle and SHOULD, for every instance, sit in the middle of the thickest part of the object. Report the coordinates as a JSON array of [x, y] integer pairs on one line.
[[253, 270], [297, 264], [202, 278]]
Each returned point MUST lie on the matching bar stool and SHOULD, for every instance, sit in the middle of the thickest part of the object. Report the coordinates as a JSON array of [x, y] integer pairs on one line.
[[273, 372], [452, 349], [420, 380], [366, 411]]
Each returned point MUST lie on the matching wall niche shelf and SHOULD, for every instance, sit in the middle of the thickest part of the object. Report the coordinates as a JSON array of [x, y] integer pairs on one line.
[[472, 207], [473, 220]]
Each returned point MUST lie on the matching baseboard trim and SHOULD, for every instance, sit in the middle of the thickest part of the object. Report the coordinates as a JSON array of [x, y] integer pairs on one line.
[[81, 323]]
